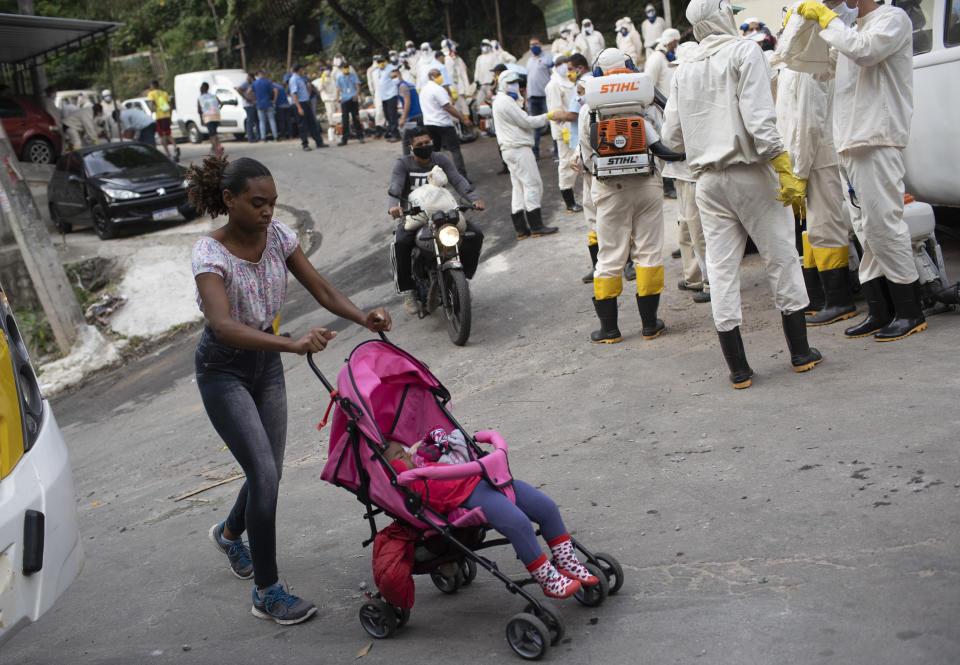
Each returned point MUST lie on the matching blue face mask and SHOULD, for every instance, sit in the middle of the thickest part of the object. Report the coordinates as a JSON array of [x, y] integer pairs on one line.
[[651, 17], [671, 56], [535, 50], [624, 31]]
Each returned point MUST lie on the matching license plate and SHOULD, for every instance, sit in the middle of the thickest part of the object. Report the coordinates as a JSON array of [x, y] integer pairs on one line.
[[166, 213]]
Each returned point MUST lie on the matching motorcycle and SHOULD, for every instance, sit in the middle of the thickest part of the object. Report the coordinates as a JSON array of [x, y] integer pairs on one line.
[[438, 277]]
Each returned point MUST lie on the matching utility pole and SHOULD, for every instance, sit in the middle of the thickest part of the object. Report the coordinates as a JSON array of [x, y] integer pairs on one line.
[[667, 14], [290, 49], [496, 10], [446, 15], [47, 274]]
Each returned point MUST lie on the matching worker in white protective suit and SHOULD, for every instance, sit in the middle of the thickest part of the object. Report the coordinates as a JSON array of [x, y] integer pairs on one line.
[[629, 217], [805, 120], [428, 61], [661, 62], [459, 77], [373, 85], [483, 66], [651, 28], [81, 126], [515, 136], [590, 41], [412, 56], [720, 111], [564, 44], [560, 90], [108, 118], [328, 95], [629, 41], [873, 104], [503, 55], [693, 246]]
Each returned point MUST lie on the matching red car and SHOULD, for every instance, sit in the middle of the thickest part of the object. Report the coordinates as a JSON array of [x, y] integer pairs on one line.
[[33, 133]]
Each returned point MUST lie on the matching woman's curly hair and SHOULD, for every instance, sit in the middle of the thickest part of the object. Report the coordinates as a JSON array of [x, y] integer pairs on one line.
[[207, 182]]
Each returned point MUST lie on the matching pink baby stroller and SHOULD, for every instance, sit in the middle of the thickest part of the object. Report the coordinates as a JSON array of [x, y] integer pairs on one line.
[[384, 394]]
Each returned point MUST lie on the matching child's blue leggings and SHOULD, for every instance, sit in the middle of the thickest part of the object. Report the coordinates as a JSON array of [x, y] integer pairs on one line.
[[513, 519]]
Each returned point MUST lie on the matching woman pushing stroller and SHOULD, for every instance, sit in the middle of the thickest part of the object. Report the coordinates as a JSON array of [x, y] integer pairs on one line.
[[560, 578], [241, 274]]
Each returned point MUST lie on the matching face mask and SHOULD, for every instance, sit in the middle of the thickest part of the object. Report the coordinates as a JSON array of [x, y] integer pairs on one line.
[[345, 70], [572, 76], [587, 31], [513, 88], [484, 49], [847, 14], [438, 80], [337, 62], [671, 56], [381, 65], [624, 31], [535, 50], [394, 59], [651, 16], [565, 34], [423, 151]]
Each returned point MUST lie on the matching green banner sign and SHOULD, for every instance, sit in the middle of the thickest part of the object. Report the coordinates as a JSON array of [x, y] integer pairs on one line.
[[556, 14]]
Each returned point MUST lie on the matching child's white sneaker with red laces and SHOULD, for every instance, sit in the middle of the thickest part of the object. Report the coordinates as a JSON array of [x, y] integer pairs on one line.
[[554, 584], [566, 562]]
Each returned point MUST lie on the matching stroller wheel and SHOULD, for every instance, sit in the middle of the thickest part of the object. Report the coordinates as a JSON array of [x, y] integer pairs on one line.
[[591, 596], [550, 619], [527, 636], [468, 572], [446, 584], [378, 618], [403, 616], [611, 570]]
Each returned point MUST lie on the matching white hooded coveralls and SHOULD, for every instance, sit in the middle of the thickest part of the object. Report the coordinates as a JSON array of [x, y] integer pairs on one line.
[[720, 112], [590, 45], [871, 126], [515, 136], [631, 44], [559, 92]]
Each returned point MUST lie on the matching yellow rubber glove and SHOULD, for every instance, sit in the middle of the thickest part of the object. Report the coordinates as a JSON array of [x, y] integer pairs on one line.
[[792, 188], [813, 10], [453, 94], [550, 115], [786, 19], [565, 134]]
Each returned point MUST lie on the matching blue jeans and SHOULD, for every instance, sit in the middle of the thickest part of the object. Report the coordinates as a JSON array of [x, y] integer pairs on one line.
[[245, 397], [268, 114], [537, 106], [250, 123]]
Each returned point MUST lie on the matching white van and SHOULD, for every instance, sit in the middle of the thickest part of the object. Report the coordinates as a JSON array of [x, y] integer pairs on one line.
[[40, 550], [933, 154], [223, 83]]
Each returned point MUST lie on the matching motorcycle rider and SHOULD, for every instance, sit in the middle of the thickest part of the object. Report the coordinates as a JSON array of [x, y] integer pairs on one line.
[[721, 111], [409, 172], [515, 136], [629, 223]]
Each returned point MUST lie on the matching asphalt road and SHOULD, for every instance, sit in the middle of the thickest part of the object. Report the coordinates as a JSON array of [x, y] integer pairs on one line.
[[810, 519]]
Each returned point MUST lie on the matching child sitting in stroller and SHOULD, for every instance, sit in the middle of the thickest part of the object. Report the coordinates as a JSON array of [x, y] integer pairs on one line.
[[560, 578]]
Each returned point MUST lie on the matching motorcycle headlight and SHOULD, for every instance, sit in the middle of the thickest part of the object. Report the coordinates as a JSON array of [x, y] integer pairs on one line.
[[120, 194], [449, 236]]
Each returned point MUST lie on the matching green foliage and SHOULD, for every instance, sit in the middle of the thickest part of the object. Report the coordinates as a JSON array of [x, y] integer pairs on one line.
[[36, 331]]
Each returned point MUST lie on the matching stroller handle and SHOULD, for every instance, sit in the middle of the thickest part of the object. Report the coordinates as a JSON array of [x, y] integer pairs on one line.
[[323, 379]]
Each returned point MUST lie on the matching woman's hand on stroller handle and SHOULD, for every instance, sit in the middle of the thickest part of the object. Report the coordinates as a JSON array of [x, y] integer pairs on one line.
[[378, 320], [315, 340]]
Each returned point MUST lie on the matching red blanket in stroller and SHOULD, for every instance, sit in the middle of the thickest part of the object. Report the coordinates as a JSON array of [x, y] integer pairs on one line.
[[393, 564]]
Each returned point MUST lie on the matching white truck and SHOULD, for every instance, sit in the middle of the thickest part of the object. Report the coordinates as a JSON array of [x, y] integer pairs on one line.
[[223, 83]]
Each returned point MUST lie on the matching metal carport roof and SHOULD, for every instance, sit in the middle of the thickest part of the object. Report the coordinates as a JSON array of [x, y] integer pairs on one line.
[[24, 38]]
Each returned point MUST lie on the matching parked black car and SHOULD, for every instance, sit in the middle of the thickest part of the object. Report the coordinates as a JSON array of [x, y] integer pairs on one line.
[[114, 184]]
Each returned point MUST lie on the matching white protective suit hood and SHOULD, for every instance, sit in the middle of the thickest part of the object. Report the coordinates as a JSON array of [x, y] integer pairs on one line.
[[713, 25]]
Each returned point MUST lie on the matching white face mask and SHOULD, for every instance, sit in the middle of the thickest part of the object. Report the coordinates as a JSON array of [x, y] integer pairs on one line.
[[484, 49], [514, 88], [587, 31], [847, 14]]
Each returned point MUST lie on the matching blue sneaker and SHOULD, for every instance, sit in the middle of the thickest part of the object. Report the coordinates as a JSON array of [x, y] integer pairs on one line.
[[237, 553], [277, 603]]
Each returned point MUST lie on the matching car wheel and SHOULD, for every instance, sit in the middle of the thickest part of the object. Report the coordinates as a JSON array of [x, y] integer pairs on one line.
[[239, 136], [61, 226], [102, 223], [193, 132], [38, 151]]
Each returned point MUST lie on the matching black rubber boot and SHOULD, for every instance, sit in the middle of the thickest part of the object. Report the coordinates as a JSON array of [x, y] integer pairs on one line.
[[908, 315], [732, 346], [811, 277], [572, 205], [652, 326], [629, 271], [838, 302], [520, 225], [594, 250], [609, 333], [802, 356], [879, 313], [537, 229]]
